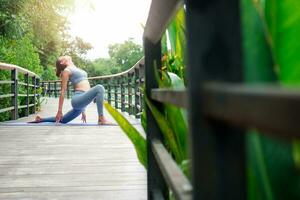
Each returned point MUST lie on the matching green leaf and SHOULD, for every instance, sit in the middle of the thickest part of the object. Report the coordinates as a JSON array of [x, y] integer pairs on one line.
[[164, 47], [271, 168], [185, 166], [175, 115], [176, 32], [296, 153], [258, 62], [144, 120], [283, 29], [166, 130], [137, 140], [258, 67], [283, 20], [257, 162]]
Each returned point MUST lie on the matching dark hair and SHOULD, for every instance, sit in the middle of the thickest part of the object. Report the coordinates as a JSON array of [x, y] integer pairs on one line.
[[59, 67]]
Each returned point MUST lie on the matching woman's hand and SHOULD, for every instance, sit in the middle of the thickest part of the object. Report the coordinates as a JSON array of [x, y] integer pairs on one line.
[[59, 116], [83, 117]]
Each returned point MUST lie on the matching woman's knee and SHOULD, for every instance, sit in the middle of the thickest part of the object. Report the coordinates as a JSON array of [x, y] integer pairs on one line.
[[100, 88]]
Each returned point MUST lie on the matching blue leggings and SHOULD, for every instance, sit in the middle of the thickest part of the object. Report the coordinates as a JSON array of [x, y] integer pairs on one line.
[[79, 101]]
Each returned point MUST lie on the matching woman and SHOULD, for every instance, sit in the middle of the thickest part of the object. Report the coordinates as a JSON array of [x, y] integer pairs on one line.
[[83, 95]]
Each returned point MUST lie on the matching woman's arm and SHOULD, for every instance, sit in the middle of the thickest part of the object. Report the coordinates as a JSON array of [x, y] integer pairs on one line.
[[64, 84], [83, 116]]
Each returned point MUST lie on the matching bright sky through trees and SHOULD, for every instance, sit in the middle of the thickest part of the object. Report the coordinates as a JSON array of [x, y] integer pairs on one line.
[[102, 22]]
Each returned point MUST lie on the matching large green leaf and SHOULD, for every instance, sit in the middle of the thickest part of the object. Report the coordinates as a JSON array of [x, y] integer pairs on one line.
[[164, 46], [175, 115], [272, 173], [137, 140], [258, 67], [283, 20], [257, 56], [296, 153], [176, 32], [166, 130]]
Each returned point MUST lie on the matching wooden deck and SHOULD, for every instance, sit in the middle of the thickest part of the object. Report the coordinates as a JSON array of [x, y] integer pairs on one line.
[[69, 162]]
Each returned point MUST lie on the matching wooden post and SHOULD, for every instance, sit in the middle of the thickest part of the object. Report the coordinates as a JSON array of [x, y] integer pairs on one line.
[[43, 88], [55, 89], [14, 91], [49, 89], [129, 94], [116, 92], [140, 83], [122, 80], [214, 54], [109, 91], [136, 92], [156, 183], [35, 82], [27, 93]]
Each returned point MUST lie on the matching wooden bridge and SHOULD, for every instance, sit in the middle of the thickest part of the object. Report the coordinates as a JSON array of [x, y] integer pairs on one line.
[[69, 161], [98, 162]]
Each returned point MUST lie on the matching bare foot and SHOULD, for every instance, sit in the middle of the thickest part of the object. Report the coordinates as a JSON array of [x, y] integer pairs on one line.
[[103, 121], [38, 119]]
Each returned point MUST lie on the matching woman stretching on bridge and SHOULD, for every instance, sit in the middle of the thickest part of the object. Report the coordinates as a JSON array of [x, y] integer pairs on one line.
[[83, 95]]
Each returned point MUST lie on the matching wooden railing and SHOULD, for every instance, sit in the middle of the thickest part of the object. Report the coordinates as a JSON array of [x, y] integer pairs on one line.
[[220, 107], [123, 90], [10, 89], [163, 172]]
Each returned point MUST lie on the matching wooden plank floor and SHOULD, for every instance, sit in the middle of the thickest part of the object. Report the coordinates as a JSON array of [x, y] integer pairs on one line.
[[69, 162]]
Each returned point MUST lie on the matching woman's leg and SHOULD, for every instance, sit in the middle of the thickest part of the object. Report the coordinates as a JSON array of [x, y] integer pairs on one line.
[[82, 100], [69, 116]]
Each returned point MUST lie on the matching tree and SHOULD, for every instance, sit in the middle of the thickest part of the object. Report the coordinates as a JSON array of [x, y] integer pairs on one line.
[[126, 54], [77, 49], [45, 26], [122, 57], [102, 66]]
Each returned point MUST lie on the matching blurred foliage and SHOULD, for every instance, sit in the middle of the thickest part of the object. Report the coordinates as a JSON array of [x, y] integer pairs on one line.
[[171, 75], [270, 30], [283, 28], [173, 63], [176, 33], [172, 120]]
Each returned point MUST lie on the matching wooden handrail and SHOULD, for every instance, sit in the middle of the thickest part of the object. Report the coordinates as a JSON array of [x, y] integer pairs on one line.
[[175, 178], [129, 71], [162, 170], [239, 104], [31, 81], [160, 15], [22, 70]]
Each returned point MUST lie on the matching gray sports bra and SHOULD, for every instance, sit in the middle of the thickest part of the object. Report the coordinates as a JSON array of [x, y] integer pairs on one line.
[[77, 74]]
